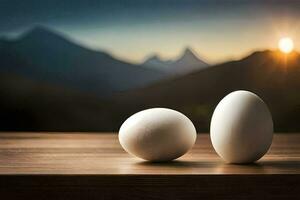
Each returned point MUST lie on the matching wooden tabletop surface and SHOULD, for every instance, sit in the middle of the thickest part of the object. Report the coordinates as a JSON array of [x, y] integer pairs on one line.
[[101, 154]]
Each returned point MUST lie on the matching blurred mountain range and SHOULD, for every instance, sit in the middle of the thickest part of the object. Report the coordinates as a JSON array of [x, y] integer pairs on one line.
[[44, 55], [50, 83], [186, 63], [270, 74]]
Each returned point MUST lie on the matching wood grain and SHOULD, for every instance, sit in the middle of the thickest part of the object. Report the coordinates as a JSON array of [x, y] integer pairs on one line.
[[94, 166], [82, 153]]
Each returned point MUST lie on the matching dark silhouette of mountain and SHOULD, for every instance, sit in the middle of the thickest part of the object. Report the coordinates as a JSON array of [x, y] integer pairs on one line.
[[270, 74], [188, 62], [43, 54], [156, 62], [28, 104]]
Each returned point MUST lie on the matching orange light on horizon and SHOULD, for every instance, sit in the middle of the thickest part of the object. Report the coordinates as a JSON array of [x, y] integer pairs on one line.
[[286, 45]]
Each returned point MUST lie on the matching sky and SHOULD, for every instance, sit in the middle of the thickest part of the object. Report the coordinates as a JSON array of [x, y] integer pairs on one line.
[[135, 29]]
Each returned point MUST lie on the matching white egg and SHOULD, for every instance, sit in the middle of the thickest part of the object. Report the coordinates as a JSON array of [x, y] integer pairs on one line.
[[157, 134], [241, 128]]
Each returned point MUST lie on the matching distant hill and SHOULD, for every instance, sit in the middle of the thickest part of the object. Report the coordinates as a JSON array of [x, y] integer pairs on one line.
[[29, 104], [188, 62], [156, 62], [270, 74], [42, 54]]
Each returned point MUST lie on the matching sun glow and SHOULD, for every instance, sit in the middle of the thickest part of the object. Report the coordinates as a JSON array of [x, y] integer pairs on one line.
[[286, 45]]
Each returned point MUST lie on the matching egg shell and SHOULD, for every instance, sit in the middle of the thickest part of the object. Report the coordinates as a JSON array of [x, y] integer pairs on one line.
[[241, 128], [157, 134]]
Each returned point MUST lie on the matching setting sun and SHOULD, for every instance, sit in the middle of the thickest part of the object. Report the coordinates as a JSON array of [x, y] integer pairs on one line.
[[286, 45]]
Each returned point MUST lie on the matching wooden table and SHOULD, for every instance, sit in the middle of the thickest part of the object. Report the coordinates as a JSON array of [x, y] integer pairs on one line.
[[94, 166]]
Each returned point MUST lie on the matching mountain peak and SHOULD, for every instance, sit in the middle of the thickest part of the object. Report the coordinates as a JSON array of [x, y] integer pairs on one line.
[[42, 33], [156, 62], [153, 57], [188, 50], [40, 28], [190, 58], [187, 62], [189, 53]]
